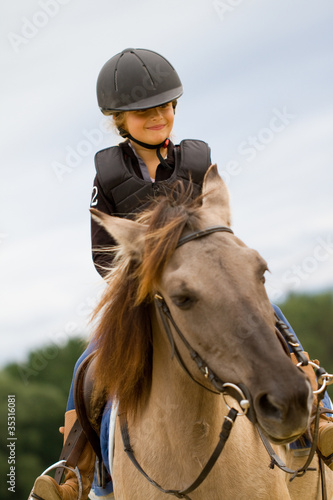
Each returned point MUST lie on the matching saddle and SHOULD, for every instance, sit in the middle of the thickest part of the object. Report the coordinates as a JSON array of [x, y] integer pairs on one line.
[[89, 410]]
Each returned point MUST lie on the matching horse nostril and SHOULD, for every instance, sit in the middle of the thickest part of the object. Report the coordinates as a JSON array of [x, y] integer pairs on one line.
[[269, 409]]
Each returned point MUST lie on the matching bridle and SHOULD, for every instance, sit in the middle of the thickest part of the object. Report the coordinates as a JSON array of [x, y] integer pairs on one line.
[[238, 392]]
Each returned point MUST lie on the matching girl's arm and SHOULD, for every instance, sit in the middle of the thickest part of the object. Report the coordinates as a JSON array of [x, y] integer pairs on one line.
[[100, 238]]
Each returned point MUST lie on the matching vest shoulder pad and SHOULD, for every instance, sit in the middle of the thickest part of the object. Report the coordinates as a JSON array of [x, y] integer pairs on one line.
[[117, 181], [110, 177], [194, 159]]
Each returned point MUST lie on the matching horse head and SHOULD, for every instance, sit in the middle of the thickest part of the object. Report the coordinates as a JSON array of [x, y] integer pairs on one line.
[[214, 289]]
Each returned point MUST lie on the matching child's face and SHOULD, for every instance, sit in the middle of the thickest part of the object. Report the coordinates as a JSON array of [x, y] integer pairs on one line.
[[151, 126]]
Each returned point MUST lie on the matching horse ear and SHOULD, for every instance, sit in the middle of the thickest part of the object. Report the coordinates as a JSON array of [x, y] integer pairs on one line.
[[127, 233], [216, 195]]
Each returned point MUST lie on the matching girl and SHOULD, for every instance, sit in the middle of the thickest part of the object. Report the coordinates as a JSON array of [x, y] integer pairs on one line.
[[139, 89]]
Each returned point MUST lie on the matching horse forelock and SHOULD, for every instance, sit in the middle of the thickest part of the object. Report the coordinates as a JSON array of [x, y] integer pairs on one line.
[[123, 333], [167, 222]]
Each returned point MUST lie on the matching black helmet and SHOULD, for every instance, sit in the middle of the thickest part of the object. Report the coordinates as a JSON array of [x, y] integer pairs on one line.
[[136, 79]]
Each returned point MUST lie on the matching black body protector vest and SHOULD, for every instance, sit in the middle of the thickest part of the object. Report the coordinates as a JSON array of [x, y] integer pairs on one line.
[[132, 194]]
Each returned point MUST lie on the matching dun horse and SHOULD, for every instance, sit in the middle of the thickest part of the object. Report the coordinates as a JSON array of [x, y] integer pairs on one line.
[[176, 290]]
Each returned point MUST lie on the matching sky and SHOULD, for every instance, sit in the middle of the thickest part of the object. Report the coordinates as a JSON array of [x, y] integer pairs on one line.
[[257, 77]]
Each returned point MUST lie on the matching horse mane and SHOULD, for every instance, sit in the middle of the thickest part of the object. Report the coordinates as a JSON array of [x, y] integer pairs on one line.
[[123, 334]]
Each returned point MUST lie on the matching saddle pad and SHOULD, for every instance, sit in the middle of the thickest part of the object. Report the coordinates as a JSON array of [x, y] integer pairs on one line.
[[92, 496], [112, 427]]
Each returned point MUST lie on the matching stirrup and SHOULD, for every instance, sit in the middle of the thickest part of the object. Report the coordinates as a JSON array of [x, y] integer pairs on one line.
[[61, 463]]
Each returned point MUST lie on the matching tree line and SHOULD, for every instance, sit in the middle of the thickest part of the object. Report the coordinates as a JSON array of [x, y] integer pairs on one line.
[[40, 389]]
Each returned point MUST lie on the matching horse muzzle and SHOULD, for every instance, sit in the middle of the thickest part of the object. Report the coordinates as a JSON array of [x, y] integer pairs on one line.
[[283, 417]]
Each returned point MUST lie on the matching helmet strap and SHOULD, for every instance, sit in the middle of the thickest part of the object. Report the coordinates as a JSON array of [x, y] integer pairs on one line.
[[160, 157], [158, 147]]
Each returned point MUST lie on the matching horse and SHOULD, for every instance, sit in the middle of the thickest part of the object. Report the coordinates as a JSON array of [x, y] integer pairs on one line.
[[184, 293]]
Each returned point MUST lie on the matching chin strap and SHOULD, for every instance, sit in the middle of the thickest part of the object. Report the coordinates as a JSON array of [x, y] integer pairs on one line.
[[160, 157], [158, 147]]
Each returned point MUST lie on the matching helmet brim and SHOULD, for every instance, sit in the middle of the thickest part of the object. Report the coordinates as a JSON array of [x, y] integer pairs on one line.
[[148, 102]]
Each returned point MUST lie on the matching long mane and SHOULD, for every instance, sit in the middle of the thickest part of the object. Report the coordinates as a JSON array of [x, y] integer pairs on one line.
[[123, 333]]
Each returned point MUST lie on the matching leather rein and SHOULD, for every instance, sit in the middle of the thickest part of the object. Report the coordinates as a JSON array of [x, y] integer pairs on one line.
[[238, 392]]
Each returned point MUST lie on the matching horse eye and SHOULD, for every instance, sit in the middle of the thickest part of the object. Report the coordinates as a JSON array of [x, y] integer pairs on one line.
[[263, 277], [183, 301]]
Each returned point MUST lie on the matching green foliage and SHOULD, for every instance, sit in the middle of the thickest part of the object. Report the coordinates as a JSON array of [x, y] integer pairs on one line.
[[41, 387], [311, 317], [50, 365]]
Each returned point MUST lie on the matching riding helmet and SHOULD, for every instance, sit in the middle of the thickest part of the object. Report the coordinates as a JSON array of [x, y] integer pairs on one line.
[[136, 79]]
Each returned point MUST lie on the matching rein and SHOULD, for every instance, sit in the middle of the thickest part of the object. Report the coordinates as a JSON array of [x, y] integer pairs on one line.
[[238, 392]]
